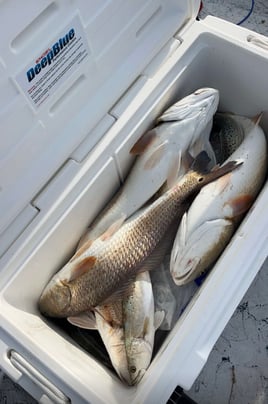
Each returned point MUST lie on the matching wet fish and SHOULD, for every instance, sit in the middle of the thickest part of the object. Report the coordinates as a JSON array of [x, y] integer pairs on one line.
[[110, 324], [96, 274], [164, 299], [207, 227], [226, 136], [140, 324], [127, 313], [108, 321], [185, 125]]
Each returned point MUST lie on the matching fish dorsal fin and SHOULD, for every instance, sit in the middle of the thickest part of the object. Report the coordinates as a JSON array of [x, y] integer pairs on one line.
[[143, 143], [84, 320], [82, 249], [113, 228], [158, 318], [156, 156], [82, 267]]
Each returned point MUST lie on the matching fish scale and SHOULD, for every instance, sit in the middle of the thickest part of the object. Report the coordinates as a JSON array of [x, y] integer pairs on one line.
[[116, 261], [184, 125]]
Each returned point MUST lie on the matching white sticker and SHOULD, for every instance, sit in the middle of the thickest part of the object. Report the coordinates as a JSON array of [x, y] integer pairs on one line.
[[52, 66]]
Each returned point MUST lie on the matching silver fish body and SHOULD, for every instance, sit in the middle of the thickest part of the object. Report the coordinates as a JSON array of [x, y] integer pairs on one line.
[[210, 222], [116, 320], [184, 126], [140, 323], [110, 325], [95, 274]]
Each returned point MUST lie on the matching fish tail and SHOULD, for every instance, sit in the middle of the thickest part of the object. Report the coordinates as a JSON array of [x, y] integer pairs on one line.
[[200, 166]]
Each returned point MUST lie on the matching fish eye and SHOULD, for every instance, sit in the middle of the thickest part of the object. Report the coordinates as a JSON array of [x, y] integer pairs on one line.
[[133, 369]]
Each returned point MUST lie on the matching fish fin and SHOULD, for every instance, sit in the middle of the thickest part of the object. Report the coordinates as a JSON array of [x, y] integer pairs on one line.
[[155, 156], [111, 321], [173, 171], [159, 318], [163, 248], [143, 143], [200, 163], [120, 293], [84, 320], [256, 119], [239, 204], [203, 143], [82, 249], [113, 228], [206, 176], [187, 160], [82, 267], [209, 149], [146, 325]]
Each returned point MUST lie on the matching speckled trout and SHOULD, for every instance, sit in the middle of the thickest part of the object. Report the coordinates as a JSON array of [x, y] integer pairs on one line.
[[95, 275]]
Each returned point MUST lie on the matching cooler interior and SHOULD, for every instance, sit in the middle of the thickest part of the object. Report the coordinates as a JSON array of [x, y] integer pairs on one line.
[[241, 78]]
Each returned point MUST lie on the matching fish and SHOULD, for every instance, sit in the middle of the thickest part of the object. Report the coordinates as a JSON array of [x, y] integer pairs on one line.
[[226, 136], [108, 321], [140, 323], [96, 274], [164, 298], [214, 215], [116, 320], [159, 152], [110, 325]]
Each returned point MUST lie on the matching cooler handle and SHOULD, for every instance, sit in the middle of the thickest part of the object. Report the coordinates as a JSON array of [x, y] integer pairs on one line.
[[257, 41], [52, 392]]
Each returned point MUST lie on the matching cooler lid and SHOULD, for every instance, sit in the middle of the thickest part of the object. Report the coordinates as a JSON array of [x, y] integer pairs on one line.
[[62, 67]]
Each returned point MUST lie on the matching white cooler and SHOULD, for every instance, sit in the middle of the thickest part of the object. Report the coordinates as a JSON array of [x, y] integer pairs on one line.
[[80, 82]]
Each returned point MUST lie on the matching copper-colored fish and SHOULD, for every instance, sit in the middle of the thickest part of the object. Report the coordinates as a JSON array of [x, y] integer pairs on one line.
[[93, 277], [207, 227], [182, 127]]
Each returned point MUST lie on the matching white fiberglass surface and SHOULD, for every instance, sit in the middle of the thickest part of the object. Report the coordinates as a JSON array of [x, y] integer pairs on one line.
[[241, 78]]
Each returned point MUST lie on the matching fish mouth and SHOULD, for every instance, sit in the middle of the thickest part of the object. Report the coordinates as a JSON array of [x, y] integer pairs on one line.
[[201, 102], [126, 379], [190, 272], [135, 380]]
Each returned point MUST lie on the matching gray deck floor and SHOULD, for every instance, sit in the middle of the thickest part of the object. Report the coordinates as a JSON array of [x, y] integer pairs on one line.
[[237, 369]]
